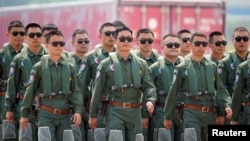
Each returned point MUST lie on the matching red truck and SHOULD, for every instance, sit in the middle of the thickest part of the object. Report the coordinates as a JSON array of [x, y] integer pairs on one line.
[[161, 16]]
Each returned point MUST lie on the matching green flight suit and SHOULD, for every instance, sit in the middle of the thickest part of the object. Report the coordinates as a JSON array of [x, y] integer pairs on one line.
[[162, 72], [241, 93], [94, 58], [148, 132], [20, 69], [82, 73], [211, 58], [56, 86], [226, 76], [122, 81], [7, 53], [196, 81]]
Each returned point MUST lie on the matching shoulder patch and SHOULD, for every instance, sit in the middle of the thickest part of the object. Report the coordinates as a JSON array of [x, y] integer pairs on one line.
[[12, 70], [112, 67], [237, 77], [31, 79], [96, 60], [219, 70], [174, 78], [98, 74], [232, 66], [82, 67]]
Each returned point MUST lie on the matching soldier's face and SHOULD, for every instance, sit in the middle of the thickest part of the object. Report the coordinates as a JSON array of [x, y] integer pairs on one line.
[[33, 41], [145, 42], [198, 46], [16, 36], [171, 47], [81, 43], [185, 42], [217, 47], [55, 46], [107, 36], [240, 41], [124, 41]]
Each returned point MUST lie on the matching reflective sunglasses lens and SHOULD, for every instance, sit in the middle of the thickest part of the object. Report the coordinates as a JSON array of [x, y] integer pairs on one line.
[[143, 41], [122, 39], [184, 40], [245, 39]]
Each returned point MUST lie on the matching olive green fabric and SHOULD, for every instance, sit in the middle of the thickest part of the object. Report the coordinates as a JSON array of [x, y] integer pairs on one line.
[[181, 82], [118, 69], [225, 79], [209, 77], [47, 79], [57, 123], [162, 72], [241, 92], [125, 118]]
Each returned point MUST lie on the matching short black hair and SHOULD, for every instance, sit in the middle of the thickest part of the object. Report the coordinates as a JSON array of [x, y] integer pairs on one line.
[[179, 33], [49, 26], [52, 33], [144, 30], [169, 35], [118, 23], [212, 34], [78, 31], [241, 28], [31, 25], [197, 34], [122, 29], [105, 25], [15, 23]]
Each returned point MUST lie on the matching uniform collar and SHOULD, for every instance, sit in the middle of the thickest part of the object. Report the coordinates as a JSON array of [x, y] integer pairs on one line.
[[40, 53]]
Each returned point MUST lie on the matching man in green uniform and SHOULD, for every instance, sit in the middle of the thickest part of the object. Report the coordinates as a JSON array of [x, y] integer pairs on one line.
[[54, 83], [241, 94], [19, 73], [184, 35], [120, 80], [80, 42], [101, 52], [46, 29], [162, 72], [228, 65], [15, 35], [217, 43], [145, 42], [195, 78]]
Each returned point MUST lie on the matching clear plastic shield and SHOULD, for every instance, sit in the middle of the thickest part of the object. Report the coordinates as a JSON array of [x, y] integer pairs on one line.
[[115, 135], [77, 133], [99, 134], [139, 137], [90, 135], [164, 135], [190, 134], [25, 135], [68, 135], [44, 134], [8, 130]]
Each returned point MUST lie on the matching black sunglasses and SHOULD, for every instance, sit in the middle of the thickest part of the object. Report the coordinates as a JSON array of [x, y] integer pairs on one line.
[[198, 43], [184, 40], [56, 43], [172, 45], [149, 40], [123, 39], [239, 38], [80, 41], [108, 33], [219, 43], [15, 33], [37, 34]]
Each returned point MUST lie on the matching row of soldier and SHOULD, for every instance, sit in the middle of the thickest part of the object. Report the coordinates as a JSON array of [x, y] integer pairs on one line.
[[110, 92]]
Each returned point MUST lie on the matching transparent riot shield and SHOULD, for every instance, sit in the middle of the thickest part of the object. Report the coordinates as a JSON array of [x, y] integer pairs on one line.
[[68, 135], [115, 135], [8, 130], [190, 134], [44, 134], [25, 135], [99, 134], [77, 133]]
